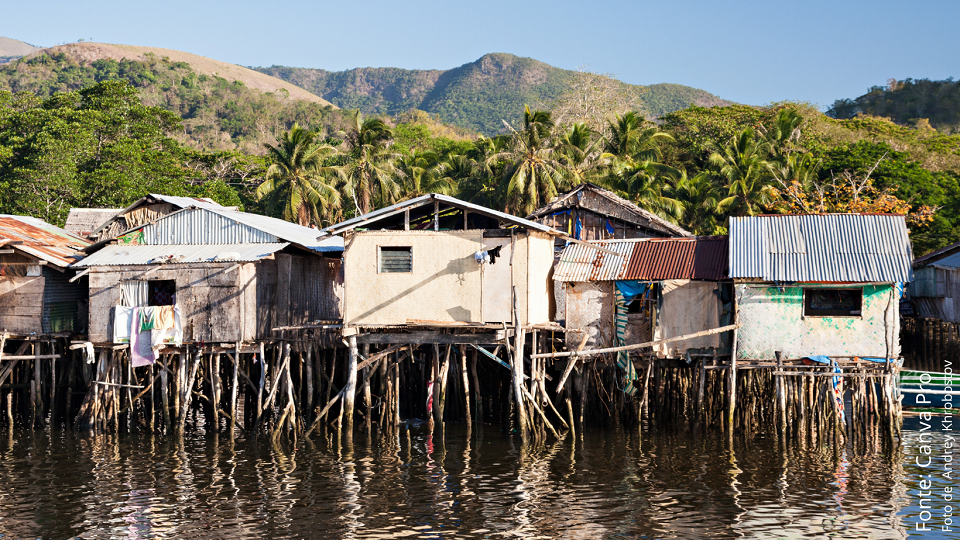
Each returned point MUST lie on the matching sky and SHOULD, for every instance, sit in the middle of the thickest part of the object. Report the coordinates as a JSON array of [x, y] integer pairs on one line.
[[753, 52]]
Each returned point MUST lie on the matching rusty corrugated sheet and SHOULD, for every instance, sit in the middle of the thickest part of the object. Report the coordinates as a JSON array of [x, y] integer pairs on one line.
[[678, 258], [41, 239], [645, 259]]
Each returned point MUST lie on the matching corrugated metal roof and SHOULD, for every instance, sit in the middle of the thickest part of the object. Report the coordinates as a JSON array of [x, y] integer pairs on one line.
[[206, 226], [647, 259], [936, 254], [428, 199], [853, 248], [583, 263], [120, 255], [679, 258], [41, 239]]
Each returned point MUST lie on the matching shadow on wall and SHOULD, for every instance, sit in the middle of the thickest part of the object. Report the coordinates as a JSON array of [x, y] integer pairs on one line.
[[456, 266]]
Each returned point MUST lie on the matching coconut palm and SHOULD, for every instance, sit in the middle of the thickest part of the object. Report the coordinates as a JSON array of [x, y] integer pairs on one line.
[[644, 184], [420, 172], [627, 138], [743, 166], [579, 152], [533, 172], [699, 196], [368, 171], [295, 187]]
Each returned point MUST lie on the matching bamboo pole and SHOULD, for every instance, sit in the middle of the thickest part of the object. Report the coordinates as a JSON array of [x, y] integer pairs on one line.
[[351, 387], [649, 344], [188, 394], [233, 388], [466, 386]]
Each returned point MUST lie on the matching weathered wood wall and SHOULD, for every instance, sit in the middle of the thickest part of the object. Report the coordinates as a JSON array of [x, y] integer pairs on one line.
[[21, 304]]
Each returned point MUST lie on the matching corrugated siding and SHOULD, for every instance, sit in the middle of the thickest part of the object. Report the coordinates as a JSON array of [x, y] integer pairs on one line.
[[62, 302], [701, 258], [198, 226], [583, 263], [828, 248], [647, 259], [119, 255]]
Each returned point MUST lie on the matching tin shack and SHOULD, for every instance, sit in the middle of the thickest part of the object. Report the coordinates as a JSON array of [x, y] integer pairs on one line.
[[819, 285], [232, 276], [654, 289], [37, 296]]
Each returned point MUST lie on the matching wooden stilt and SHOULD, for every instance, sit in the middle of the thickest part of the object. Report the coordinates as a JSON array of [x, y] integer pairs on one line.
[[233, 389], [351, 387]]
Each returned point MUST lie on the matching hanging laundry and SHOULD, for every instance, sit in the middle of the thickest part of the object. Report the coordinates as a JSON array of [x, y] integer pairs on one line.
[[610, 230], [141, 352], [88, 354], [494, 253], [579, 229], [482, 257], [122, 317], [148, 318], [165, 318]]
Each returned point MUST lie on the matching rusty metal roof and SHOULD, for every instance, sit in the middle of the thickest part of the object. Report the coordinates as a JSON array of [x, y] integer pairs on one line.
[[647, 259], [41, 240], [679, 258]]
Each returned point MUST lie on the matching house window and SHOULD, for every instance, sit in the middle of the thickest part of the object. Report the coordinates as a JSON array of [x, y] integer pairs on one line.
[[832, 302], [162, 292], [396, 259]]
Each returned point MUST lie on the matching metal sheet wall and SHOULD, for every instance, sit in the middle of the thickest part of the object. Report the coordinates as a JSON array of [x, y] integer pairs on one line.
[[197, 226]]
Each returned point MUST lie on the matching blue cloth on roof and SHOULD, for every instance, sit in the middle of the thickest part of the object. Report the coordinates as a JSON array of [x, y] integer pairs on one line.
[[819, 359], [877, 360], [632, 289]]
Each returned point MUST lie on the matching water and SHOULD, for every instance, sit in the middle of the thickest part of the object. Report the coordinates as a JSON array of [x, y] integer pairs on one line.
[[60, 484]]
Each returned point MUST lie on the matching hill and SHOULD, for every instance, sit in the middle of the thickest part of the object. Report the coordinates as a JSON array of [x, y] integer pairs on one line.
[[915, 102], [223, 106], [477, 95], [11, 49]]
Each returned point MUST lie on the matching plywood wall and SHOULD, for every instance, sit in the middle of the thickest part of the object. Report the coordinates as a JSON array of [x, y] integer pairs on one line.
[[21, 304]]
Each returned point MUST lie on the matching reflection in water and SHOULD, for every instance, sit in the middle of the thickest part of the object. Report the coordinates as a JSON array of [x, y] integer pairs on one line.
[[423, 483]]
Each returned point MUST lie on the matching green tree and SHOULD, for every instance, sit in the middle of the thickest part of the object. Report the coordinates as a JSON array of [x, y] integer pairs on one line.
[[369, 171], [743, 166], [533, 173], [421, 172], [698, 195], [295, 187]]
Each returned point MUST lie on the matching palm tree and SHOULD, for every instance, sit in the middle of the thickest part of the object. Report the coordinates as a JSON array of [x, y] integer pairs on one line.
[[747, 173], [533, 171], [369, 169], [628, 139], [295, 187], [643, 184], [578, 151], [422, 173], [785, 130], [699, 196]]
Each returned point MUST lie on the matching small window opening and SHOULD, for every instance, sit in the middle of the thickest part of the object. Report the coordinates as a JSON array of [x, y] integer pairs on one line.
[[396, 259], [832, 302], [162, 292], [636, 306]]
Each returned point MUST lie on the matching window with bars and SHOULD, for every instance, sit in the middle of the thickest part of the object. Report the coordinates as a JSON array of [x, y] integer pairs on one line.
[[395, 259]]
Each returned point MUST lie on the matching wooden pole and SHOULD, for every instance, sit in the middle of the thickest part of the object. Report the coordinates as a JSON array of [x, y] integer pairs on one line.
[[466, 386], [164, 399], [233, 389], [649, 344], [351, 387], [188, 384]]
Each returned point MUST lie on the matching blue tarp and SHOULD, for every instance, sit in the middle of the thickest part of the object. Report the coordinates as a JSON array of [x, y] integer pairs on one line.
[[632, 289]]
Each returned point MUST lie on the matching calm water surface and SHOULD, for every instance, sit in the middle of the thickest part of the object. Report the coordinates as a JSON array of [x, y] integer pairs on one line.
[[60, 484]]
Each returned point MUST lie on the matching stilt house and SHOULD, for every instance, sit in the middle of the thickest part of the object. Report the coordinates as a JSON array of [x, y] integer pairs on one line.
[[652, 289], [935, 293], [819, 285], [36, 295], [589, 212], [232, 276], [439, 261]]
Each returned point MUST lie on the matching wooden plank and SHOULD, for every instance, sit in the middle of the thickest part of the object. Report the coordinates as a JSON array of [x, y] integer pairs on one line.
[[284, 263], [21, 324], [429, 337]]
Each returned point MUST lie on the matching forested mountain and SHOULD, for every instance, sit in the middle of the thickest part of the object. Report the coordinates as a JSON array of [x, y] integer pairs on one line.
[[921, 103], [477, 95], [223, 106]]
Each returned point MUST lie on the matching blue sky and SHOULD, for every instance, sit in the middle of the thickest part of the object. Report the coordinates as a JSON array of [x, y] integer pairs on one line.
[[753, 52]]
